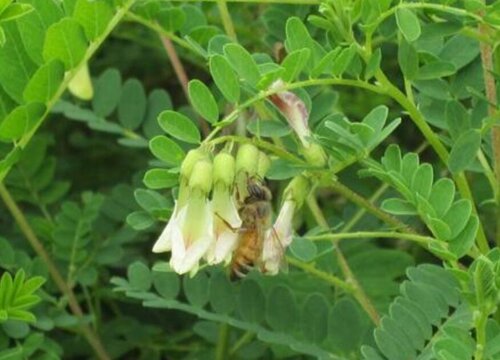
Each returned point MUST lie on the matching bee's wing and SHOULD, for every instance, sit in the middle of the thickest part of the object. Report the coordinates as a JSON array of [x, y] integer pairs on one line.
[[273, 254]]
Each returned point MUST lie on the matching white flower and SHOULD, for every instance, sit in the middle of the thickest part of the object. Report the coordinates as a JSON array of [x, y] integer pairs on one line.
[[294, 109], [190, 230], [226, 223], [191, 234], [278, 238], [164, 242]]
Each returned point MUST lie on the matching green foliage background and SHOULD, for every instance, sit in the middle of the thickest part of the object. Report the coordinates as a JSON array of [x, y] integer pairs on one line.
[[396, 249]]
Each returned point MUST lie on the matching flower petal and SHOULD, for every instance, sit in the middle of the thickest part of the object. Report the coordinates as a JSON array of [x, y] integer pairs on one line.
[[294, 109], [164, 242]]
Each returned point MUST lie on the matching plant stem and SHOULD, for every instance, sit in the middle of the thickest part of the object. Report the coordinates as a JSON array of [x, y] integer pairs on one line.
[[245, 338], [311, 269], [222, 342], [438, 147], [419, 239], [181, 76], [357, 291], [36, 244], [364, 203], [226, 19], [491, 95], [480, 326]]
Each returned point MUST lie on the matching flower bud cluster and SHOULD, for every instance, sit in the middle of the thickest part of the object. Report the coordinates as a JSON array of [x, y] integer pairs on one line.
[[206, 223]]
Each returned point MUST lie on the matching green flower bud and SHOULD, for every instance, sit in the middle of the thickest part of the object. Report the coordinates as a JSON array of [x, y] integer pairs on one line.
[[247, 159], [315, 155], [264, 164], [297, 190], [224, 166], [192, 157], [201, 176]]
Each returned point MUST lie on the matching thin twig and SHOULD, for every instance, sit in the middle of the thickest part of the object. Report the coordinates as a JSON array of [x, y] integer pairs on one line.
[[28, 232], [181, 76], [358, 292], [491, 95]]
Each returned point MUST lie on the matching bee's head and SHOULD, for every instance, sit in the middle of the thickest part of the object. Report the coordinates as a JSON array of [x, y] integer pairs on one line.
[[257, 191]]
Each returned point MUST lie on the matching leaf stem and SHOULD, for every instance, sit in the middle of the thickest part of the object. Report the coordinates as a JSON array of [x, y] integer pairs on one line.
[[226, 19], [311, 269], [480, 325], [222, 342], [438, 147], [245, 338], [37, 245], [491, 95], [180, 72], [357, 291], [419, 239], [364, 203]]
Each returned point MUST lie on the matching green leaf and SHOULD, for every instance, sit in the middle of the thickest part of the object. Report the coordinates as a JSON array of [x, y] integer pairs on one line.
[[167, 284], [139, 276], [94, 16], [440, 229], [457, 118], [408, 24], [203, 101], [140, 220], [34, 25], [345, 326], [373, 64], [3, 39], [150, 200], [252, 302], [65, 40], [4, 4], [196, 289], [107, 92], [315, 318], [398, 207], [268, 128], [464, 241], [297, 36], [460, 50], [166, 150], [179, 126], [408, 59], [221, 294], [392, 158], [225, 78], [15, 11], [342, 62], [303, 249], [325, 64], [21, 121], [280, 304], [44, 82], [442, 195], [294, 63], [132, 105], [158, 101], [160, 179], [171, 19], [464, 150], [422, 180], [16, 67], [243, 63], [436, 69], [458, 215]]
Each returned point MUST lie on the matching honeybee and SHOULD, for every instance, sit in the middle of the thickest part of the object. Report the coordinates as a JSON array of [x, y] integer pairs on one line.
[[255, 213]]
